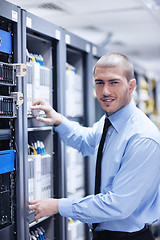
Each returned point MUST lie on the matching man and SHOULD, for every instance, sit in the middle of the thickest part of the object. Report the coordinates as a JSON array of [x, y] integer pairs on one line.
[[127, 200]]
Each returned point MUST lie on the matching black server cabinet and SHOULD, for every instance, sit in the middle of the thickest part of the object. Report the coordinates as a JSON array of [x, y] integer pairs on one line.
[[77, 106], [11, 158], [41, 50]]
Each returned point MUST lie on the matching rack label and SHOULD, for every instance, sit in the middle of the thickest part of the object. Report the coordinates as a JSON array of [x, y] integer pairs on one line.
[[28, 22], [94, 50], [88, 47], [67, 39], [58, 35], [14, 16]]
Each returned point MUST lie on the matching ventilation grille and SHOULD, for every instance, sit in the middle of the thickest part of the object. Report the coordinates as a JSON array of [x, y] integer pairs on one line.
[[51, 6], [92, 28]]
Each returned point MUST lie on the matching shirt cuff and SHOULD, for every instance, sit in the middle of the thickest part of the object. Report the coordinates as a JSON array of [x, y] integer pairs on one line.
[[60, 127], [65, 207]]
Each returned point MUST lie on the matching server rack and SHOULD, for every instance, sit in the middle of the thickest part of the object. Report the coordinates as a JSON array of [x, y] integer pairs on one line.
[[77, 81], [11, 175], [147, 93], [42, 41]]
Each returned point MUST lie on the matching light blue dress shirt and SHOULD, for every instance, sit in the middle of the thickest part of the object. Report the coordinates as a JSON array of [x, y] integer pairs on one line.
[[130, 176]]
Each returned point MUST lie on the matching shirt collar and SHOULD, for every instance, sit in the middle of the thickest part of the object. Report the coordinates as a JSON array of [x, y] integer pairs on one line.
[[119, 118]]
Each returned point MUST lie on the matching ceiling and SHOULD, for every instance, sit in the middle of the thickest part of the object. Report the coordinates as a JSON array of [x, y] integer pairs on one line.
[[131, 27]]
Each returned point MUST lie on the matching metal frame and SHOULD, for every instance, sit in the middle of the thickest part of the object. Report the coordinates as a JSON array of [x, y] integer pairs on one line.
[[60, 175], [34, 24]]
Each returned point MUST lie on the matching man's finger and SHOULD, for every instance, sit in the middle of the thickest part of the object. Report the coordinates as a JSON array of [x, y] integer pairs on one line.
[[33, 202], [36, 212], [37, 217], [32, 207], [39, 107], [38, 101], [44, 120]]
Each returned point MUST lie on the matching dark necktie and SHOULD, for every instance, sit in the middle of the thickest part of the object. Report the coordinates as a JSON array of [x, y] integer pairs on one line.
[[99, 160], [99, 157]]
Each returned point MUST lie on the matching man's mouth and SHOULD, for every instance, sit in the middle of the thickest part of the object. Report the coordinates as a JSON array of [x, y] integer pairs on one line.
[[107, 101]]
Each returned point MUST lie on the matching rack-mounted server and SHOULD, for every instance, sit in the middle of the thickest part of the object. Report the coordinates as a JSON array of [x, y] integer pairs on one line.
[[7, 74], [7, 107]]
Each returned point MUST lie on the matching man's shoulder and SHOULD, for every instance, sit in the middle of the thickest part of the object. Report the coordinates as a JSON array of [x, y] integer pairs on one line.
[[142, 126]]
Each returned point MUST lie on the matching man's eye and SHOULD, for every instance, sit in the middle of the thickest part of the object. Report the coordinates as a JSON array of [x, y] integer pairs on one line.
[[115, 82], [99, 83]]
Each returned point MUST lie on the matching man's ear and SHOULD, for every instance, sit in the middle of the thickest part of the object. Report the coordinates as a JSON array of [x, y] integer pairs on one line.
[[132, 84]]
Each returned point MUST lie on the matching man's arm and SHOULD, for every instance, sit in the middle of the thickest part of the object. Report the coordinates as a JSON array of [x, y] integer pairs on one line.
[[137, 180], [71, 133], [138, 177]]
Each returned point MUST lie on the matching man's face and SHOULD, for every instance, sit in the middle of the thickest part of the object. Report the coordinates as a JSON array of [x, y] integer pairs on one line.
[[112, 88]]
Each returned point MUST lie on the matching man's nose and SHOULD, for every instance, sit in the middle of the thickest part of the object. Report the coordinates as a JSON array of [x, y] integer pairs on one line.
[[106, 90]]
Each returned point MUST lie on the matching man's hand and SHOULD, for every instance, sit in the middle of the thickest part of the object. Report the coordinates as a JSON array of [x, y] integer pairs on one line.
[[52, 117], [45, 207]]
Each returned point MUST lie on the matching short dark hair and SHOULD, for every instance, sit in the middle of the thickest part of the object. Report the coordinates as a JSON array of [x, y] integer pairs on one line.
[[112, 60]]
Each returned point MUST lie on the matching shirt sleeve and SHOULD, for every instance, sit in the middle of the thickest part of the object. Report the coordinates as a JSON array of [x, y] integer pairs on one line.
[[74, 135], [138, 173]]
